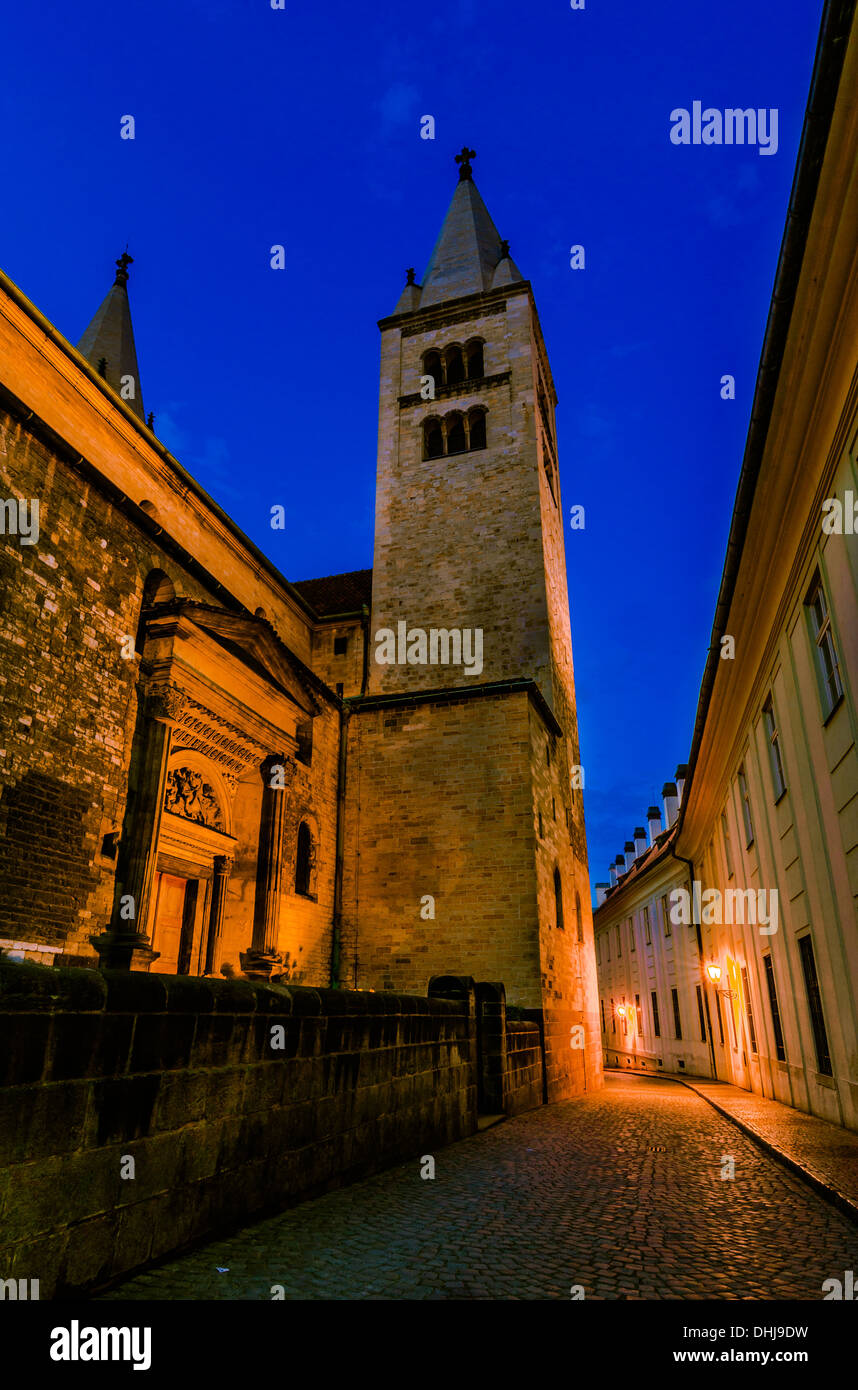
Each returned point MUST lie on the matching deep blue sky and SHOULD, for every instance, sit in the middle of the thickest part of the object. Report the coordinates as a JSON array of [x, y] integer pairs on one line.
[[301, 127]]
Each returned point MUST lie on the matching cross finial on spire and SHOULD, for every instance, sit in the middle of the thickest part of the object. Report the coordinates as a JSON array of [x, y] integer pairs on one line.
[[122, 268], [504, 249], [410, 273], [464, 162]]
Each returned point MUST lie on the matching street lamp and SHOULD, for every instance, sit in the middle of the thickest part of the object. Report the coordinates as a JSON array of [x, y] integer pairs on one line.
[[714, 973]]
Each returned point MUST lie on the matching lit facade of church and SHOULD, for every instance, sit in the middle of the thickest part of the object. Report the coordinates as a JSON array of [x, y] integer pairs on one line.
[[208, 767]]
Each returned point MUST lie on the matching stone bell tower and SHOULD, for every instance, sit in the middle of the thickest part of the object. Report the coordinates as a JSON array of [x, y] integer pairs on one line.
[[470, 718]]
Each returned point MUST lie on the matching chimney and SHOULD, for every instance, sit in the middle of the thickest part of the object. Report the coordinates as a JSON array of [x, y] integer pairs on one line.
[[671, 803], [640, 841], [620, 866], [681, 775], [629, 848], [614, 875], [602, 892], [653, 819]]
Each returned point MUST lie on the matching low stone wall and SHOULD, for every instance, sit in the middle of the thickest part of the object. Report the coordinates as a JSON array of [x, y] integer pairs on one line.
[[224, 1099], [524, 1066]]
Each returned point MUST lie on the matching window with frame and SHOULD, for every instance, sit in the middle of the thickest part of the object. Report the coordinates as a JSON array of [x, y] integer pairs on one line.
[[602, 1007], [827, 664], [775, 760], [613, 1018], [746, 807], [619, 942], [677, 1022], [728, 852], [639, 1015], [814, 1004], [631, 934], [656, 1023], [665, 913], [746, 990], [579, 916], [701, 1014], [774, 1009], [647, 927]]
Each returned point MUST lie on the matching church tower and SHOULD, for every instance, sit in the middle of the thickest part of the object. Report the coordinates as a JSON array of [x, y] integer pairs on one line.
[[470, 800]]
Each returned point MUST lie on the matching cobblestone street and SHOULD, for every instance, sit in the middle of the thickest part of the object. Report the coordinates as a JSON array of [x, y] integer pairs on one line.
[[619, 1192]]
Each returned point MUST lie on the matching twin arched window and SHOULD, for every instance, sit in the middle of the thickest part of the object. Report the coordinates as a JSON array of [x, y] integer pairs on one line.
[[455, 433], [454, 364]]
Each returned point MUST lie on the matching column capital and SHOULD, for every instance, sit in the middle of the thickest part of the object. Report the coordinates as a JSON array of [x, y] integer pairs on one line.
[[278, 771], [165, 702]]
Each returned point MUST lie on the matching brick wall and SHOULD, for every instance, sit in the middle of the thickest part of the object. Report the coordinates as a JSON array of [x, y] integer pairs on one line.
[[183, 1076]]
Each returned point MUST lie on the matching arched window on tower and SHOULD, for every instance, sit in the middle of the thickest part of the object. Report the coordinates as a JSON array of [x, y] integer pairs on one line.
[[455, 365], [474, 358], [432, 367], [456, 440], [304, 859], [579, 920], [558, 900], [433, 438], [477, 428]]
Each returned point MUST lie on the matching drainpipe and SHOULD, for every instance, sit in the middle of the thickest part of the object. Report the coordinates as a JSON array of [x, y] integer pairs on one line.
[[364, 622], [703, 980], [336, 939]]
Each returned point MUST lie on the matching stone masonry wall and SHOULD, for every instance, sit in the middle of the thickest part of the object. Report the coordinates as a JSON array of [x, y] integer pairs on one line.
[[184, 1076]]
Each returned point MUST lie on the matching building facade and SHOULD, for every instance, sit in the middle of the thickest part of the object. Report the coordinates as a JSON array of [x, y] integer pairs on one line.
[[359, 780], [767, 834]]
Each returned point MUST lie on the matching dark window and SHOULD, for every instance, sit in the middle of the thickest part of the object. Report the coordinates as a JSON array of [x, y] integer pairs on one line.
[[728, 855], [746, 989], [647, 929], [701, 1014], [455, 366], [665, 914], [780, 1050], [814, 1002], [746, 808], [827, 664], [477, 429], [613, 1018], [677, 1024], [639, 1014], [632, 945], [433, 439], [341, 646], [303, 859], [656, 1026], [456, 442], [432, 367], [602, 1007], [720, 1019], [579, 919], [474, 353], [778, 779], [558, 900]]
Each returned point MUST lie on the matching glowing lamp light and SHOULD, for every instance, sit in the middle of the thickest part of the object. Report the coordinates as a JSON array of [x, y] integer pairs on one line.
[[621, 1010], [714, 972]]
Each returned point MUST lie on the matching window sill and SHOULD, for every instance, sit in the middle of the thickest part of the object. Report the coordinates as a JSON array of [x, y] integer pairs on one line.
[[831, 713]]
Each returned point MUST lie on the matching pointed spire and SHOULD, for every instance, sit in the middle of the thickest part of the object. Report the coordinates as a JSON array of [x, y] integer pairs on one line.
[[108, 343], [469, 247]]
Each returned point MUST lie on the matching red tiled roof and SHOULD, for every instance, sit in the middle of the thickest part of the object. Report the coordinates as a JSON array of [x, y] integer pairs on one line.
[[337, 593]]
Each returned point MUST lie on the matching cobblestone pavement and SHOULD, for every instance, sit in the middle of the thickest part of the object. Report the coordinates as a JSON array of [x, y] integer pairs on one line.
[[825, 1151], [619, 1192]]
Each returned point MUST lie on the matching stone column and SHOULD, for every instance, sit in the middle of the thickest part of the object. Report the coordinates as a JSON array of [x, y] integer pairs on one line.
[[126, 945], [277, 770], [220, 878]]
